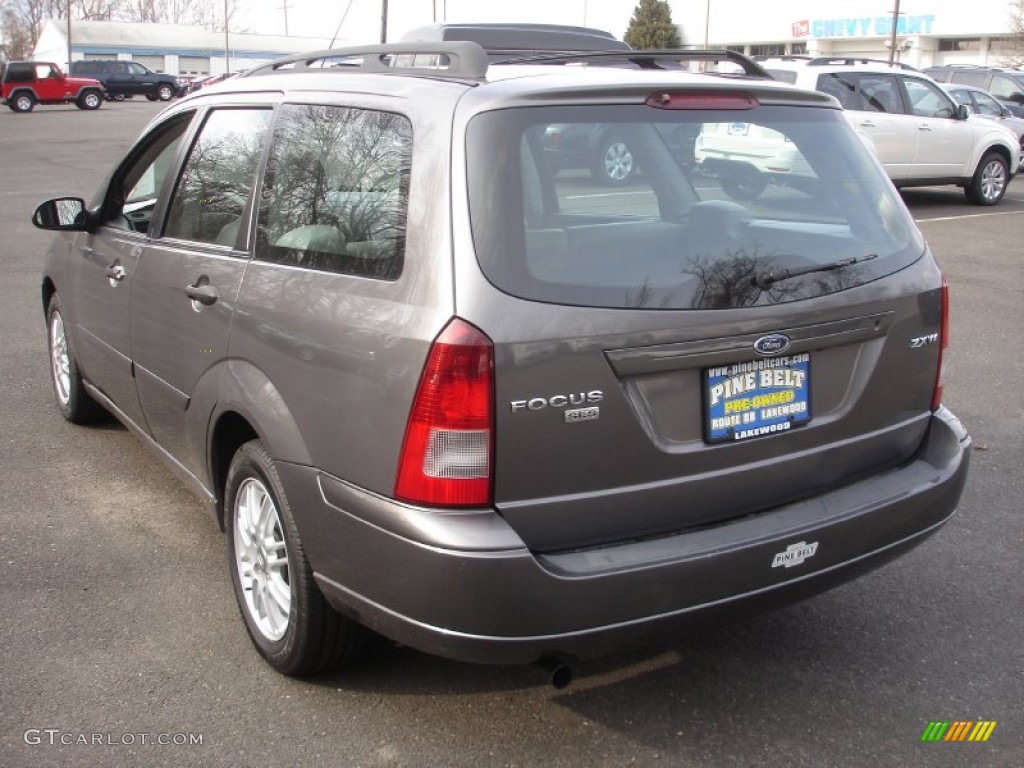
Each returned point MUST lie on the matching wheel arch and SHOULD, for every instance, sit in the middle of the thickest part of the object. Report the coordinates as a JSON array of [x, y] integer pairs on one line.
[[229, 433], [48, 289], [1001, 150], [24, 89], [243, 405]]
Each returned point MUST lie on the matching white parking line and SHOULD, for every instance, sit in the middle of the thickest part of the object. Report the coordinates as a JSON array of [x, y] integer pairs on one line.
[[610, 194], [970, 216]]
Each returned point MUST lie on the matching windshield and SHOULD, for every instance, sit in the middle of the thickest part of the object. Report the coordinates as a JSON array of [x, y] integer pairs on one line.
[[631, 206]]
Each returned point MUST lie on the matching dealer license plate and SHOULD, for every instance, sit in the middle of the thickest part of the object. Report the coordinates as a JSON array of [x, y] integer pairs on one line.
[[756, 398]]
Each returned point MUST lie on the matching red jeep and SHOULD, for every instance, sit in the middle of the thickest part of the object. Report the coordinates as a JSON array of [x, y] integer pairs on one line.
[[27, 83]]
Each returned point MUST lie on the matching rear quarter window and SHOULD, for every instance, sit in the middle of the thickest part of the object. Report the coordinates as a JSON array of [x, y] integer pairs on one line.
[[335, 194], [714, 200], [19, 73]]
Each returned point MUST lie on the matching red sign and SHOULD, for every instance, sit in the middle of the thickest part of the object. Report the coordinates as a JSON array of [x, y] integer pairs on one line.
[[801, 28]]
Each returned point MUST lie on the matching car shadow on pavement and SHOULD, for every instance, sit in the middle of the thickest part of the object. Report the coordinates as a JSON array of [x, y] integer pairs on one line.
[[728, 651]]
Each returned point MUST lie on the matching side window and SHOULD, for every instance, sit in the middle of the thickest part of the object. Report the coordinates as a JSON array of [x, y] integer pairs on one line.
[[881, 93], [44, 71], [335, 193], [19, 73], [987, 105], [1007, 88], [843, 87], [963, 97], [136, 69], [927, 100], [136, 187], [969, 78], [218, 177]]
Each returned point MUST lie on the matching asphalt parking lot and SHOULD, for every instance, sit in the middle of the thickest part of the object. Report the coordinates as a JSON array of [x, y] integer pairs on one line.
[[120, 629]]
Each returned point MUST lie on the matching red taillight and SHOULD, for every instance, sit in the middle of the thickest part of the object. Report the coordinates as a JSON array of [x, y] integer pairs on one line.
[[446, 455], [943, 343]]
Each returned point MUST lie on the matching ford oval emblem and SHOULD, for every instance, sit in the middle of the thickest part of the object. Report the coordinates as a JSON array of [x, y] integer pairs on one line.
[[772, 344]]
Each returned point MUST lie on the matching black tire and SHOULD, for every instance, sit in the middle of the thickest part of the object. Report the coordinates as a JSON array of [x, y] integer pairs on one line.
[[990, 180], [314, 638], [164, 92], [744, 185], [89, 100], [151, 97], [612, 163], [73, 402], [21, 102]]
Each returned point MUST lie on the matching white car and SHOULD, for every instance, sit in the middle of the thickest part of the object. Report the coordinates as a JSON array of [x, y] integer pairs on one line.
[[985, 105], [746, 156], [920, 135]]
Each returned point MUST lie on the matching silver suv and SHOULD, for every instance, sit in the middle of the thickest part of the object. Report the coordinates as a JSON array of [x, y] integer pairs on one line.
[[921, 136], [492, 411]]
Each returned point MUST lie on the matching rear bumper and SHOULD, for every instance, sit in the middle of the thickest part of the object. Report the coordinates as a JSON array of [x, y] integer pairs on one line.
[[462, 585]]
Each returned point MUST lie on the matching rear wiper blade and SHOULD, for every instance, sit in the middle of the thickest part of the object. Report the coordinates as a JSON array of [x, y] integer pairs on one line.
[[765, 279]]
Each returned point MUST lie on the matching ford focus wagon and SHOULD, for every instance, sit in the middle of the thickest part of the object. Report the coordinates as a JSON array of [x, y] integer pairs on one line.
[[485, 405]]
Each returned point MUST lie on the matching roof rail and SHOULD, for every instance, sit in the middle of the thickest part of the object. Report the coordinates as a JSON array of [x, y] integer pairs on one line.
[[445, 59], [523, 38], [825, 61], [975, 66], [784, 57], [647, 59]]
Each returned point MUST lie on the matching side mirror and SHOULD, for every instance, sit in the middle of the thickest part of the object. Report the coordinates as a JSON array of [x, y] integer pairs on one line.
[[61, 213], [962, 112]]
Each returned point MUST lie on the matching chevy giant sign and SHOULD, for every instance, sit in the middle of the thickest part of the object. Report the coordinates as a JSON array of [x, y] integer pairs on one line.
[[865, 26]]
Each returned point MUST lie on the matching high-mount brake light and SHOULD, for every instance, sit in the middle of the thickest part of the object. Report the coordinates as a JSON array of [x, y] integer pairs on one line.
[[943, 344], [702, 100], [446, 457]]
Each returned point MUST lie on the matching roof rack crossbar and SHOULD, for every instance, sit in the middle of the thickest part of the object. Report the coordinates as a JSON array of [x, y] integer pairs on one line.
[[646, 59], [463, 59]]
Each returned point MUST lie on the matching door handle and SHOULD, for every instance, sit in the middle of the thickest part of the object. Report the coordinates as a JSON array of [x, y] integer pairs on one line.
[[924, 127], [867, 124], [204, 293], [115, 273]]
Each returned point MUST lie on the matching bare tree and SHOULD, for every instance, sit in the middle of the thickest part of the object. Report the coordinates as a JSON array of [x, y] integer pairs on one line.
[[196, 13], [21, 20], [17, 35], [97, 10], [1012, 53]]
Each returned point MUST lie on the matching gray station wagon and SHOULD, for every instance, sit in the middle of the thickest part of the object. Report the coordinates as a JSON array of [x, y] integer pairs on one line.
[[444, 389]]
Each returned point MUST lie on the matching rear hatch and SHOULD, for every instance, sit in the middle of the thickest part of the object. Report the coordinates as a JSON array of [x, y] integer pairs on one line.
[[686, 349]]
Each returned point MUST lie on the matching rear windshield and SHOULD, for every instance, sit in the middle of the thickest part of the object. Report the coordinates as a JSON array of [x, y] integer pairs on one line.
[[632, 206]]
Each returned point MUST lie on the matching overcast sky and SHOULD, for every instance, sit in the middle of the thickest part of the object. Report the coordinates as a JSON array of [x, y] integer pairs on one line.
[[320, 18]]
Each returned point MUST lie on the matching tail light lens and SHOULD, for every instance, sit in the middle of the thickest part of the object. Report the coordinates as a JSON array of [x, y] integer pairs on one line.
[[943, 343], [446, 457]]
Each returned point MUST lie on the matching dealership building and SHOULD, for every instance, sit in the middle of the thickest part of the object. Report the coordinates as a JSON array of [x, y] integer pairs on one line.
[[928, 32], [190, 52]]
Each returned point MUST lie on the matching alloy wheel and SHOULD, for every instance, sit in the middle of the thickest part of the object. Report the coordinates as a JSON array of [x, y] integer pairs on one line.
[[993, 180], [60, 359], [261, 557]]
